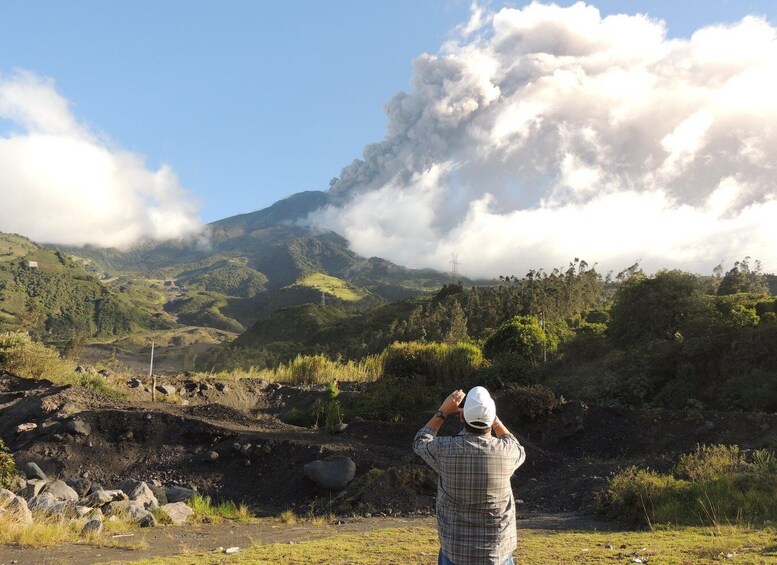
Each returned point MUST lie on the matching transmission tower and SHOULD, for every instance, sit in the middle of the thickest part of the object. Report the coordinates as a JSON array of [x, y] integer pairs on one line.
[[455, 266]]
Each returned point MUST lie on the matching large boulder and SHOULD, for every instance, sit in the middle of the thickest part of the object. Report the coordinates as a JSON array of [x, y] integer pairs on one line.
[[6, 496], [160, 493], [61, 491], [331, 474], [32, 471], [47, 505], [168, 390], [177, 512], [80, 485], [15, 507], [140, 492], [102, 497], [180, 494], [133, 511], [34, 487]]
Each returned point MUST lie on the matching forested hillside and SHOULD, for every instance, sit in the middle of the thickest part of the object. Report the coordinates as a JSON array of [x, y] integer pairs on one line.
[[661, 340]]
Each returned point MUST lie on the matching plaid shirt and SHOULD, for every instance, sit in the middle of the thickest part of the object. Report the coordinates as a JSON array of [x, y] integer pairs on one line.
[[475, 505]]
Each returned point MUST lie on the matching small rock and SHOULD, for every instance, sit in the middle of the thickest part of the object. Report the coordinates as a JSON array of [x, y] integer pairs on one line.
[[205, 387], [232, 550], [27, 427], [159, 491], [102, 497], [78, 428], [212, 456], [134, 382], [177, 512], [245, 449], [339, 428], [93, 526], [222, 387], [126, 436], [79, 369], [17, 507], [104, 373], [236, 446], [168, 390], [267, 449]]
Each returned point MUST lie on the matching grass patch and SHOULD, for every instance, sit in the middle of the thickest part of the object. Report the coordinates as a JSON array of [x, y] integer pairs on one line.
[[419, 545], [333, 287], [206, 511], [51, 532]]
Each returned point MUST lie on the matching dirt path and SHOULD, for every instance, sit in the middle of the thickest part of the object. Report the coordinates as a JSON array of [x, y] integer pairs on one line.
[[172, 540]]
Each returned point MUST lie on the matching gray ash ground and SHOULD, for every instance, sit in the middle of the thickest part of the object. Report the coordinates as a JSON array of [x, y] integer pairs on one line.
[[570, 454]]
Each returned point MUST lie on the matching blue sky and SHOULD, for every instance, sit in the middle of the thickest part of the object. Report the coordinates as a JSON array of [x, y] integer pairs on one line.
[[251, 101]]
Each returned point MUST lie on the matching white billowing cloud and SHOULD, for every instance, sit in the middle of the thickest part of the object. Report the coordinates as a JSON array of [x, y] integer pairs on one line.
[[546, 133], [62, 183]]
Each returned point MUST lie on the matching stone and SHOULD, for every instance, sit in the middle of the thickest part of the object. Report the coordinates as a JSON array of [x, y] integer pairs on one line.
[[34, 487], [17, 484], [6, 496], [102, 497], [168, 390], [339, 428], [32, 471], [331, 474], [133, 511], [222, 387], [126, 436], [159, 492], [79, 369], [180, 494], [46, 504], [134, 382], [81, 485], [61, 491], [93, 526], [177, 512], [50, 426], [17, 507], [204, 387], [211, 456], [26, 427], [140, 492], [245, 449], [104, 373], [78, 428]]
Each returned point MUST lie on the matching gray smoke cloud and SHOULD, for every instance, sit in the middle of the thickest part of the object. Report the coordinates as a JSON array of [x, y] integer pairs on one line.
[[60, 182], [546, 133]]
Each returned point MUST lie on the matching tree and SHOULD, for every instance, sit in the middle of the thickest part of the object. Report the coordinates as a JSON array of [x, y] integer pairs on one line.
[[742, 279], [667, 306], [521, 336]]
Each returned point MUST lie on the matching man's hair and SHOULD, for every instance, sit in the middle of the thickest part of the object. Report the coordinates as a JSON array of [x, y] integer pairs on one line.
[[474, 430]]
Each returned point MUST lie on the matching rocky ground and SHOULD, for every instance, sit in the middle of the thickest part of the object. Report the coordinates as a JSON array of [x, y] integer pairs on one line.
[[225, 440]]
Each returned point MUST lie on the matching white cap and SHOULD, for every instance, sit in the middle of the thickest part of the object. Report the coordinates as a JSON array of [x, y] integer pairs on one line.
[[479, 408]]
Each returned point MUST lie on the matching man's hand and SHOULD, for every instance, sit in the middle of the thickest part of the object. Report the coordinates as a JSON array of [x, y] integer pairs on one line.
[[451, 404]]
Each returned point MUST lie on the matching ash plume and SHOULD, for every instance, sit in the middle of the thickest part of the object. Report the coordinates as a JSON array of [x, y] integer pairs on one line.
[[544, 133]]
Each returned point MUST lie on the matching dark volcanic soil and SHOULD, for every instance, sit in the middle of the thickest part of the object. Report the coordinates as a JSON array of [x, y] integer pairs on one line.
[[569, 454]]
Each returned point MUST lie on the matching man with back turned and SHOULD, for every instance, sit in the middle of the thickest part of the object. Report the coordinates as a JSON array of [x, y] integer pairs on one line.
[[475, 505]]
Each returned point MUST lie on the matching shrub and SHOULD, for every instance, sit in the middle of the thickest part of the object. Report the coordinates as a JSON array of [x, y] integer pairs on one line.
[[392, 399], [7, 466], [319, 369], [521, 335], [438, 362], [634, 494], [709, 462], [530, 402], [21, 355]]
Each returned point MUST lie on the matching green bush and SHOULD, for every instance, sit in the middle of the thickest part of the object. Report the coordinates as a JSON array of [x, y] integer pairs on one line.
[[521, 335], [721, 490], [393, 399], [21, 355], [709, 462], [530, 402], [438, 362], [7, 466], [320, 369]]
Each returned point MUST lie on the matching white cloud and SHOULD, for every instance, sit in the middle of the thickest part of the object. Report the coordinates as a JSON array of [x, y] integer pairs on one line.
[[62, 183], [547, 133]]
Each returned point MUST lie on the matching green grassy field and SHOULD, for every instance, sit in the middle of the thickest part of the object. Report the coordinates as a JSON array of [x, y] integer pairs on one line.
[[418, 545], [333, 286]]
